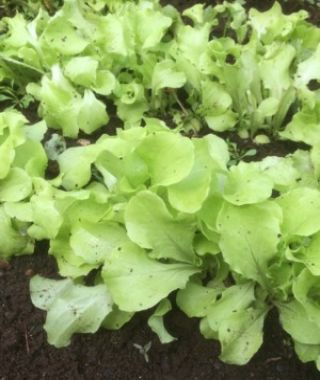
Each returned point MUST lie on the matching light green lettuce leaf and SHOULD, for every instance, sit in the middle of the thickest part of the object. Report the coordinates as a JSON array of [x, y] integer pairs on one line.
[[16, 186], [36, 132], [82, 206], [215, 106], [116, 319], [280, 56], [193, 42], [296, 322], [118, 35], [46, 218], [63, 107], [315, 159], [166, 75], [75, 166], [189, 194], [31, 157], [267, 108], [279, 275], [11, 137], [300, 209], [308, 70], [203, 246], [19, 210], [242, 81], [156, 323], [210, 211], [13, 241], [195, 299], [69, 264], [274, 24], [308, 352], [150, 26], [45, 215], [105, 82], [305, 126], [17, 28], [150, 225], [221, 123], [195, 13], [281, 171], [218, 151], [241, 335], [233, 299], [247, 184], [215, 99], [62, 37], [302, 161], [123, 173], [93, 242], [82, 70], [238, 16], [249, 237], [310, 255], [211, 155], [193, 75], [137, 282], [306, 251], [71, 308], [131, 103], [119, 164], [169, 157], [306, 290], [92, 113]]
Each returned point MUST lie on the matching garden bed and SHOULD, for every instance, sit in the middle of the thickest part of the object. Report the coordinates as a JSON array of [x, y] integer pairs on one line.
[[25, 353]]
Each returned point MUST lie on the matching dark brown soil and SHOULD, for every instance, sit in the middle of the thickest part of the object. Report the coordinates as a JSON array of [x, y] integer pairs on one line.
[[25, 354]]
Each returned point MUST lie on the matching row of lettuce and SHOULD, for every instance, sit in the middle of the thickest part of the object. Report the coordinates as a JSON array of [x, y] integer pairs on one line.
[[150, 224], [252, 74], [153, 212]]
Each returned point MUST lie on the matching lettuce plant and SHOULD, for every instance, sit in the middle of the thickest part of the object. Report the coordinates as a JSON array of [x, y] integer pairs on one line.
[[183, 220]]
